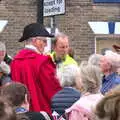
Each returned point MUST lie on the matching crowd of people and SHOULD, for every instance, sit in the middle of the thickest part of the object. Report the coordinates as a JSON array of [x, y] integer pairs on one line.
[[53, 86]]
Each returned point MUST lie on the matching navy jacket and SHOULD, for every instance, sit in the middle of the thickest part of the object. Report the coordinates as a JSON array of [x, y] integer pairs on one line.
[[64, 99]]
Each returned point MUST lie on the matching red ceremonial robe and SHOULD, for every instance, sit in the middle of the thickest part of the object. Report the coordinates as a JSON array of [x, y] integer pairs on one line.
[[37, 72]]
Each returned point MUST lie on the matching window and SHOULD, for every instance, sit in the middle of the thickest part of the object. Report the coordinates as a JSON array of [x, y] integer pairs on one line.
[[106, 1], [3, 23], [100, 27]]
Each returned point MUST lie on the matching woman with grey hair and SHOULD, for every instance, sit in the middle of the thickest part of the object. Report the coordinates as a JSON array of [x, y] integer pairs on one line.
[[94, 59], [69, 94], [90, 82], [68, 76]]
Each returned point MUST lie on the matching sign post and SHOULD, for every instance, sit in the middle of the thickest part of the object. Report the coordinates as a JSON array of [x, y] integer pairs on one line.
[[40, 12], [52, 8]]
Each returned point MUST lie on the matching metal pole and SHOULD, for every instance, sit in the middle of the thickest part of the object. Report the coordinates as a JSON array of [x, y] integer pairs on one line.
[[53, 25], [95, 45], [40, 8]]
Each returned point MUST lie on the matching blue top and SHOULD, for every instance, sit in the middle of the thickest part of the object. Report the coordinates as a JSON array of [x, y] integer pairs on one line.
[[109, 82]]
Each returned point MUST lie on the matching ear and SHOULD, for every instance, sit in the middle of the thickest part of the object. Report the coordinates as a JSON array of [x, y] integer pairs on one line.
[[33, 40], [1, 74], [26, 102], [26, 98]]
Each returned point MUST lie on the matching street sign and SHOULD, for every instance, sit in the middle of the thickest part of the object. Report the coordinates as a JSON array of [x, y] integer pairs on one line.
[[54, 7]]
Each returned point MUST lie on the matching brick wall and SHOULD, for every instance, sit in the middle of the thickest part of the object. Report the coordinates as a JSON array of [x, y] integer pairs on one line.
[[18, 13], [74, 22]]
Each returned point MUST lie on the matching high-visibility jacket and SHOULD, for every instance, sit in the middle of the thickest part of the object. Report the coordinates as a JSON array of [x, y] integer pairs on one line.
[[60, 66], [67, 61]]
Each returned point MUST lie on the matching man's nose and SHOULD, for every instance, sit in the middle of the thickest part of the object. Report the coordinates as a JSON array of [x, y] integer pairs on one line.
[[45, 42]]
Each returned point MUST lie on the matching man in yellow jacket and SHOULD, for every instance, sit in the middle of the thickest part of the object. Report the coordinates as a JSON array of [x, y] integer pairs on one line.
[[60, 54]]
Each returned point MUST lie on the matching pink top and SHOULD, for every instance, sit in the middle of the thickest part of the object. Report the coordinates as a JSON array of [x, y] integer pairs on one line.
[[82, 109]]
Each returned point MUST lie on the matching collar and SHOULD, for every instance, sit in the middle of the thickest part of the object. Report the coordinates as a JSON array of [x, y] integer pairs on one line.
[[58, 60], [20, 110], [109, 76], [32, 47]]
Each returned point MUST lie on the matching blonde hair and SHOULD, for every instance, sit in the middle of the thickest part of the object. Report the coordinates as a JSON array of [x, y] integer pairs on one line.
[[108, 107], [90, 77]]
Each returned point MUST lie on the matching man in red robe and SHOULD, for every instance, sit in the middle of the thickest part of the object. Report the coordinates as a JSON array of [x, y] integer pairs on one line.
[[34, 69]]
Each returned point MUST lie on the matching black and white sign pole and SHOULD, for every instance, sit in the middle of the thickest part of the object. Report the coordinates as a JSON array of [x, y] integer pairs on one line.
[[40, 11], [53, 8], [53, 24]]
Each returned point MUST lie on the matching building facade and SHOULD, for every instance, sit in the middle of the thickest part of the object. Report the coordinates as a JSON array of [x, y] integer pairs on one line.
[[74, 23]]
